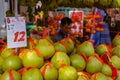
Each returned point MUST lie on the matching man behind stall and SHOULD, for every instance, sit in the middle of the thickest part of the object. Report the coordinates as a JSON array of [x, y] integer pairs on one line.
[[63, 32]]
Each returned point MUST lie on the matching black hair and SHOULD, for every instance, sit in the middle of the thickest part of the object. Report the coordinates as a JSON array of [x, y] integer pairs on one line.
[[65, 21]]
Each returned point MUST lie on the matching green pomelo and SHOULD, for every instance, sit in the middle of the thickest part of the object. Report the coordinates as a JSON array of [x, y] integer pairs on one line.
[[93, 65], [98, 76], [10, 73], [116, 40], [77, 61], [67, 73], [101, 49], [32, 74], [69, 44], [49, 72], [31, 58], [12, 62], [86, 47], [7, 52], [106, 69], [60, 47], [115, 60], [45, 48], [116, 51], [59, 59]]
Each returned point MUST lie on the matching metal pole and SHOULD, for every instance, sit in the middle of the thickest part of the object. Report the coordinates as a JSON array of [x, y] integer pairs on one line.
[[16, 7], [16, 15]]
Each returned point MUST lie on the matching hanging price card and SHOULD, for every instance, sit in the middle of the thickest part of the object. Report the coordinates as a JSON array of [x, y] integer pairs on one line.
[[16, 32], [77, 21]]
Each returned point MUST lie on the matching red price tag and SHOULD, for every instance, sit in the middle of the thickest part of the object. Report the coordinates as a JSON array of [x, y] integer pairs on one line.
[[77, 21]]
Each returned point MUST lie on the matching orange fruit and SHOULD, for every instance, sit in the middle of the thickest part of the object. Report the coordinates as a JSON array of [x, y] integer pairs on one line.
[[88, 30], [93, 31]]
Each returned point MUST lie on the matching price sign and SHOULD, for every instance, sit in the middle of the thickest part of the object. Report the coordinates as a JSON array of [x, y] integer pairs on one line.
[[77, 19], [16, 32]]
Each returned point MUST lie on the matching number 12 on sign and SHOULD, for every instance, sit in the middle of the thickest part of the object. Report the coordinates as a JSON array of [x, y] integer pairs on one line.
[[21, 38]]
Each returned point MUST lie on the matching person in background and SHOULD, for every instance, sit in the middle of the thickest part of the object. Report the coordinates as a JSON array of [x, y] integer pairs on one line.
[[104, 36], [65, 26], [64, 30]]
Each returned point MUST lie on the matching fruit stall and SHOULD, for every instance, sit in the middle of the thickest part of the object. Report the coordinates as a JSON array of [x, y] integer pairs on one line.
[[30, 53]]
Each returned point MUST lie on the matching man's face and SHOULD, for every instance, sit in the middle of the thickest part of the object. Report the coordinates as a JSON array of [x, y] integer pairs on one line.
[[66, 28]]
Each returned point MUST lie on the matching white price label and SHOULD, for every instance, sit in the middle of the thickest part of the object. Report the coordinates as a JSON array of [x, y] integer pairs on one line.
[[16, 32]]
